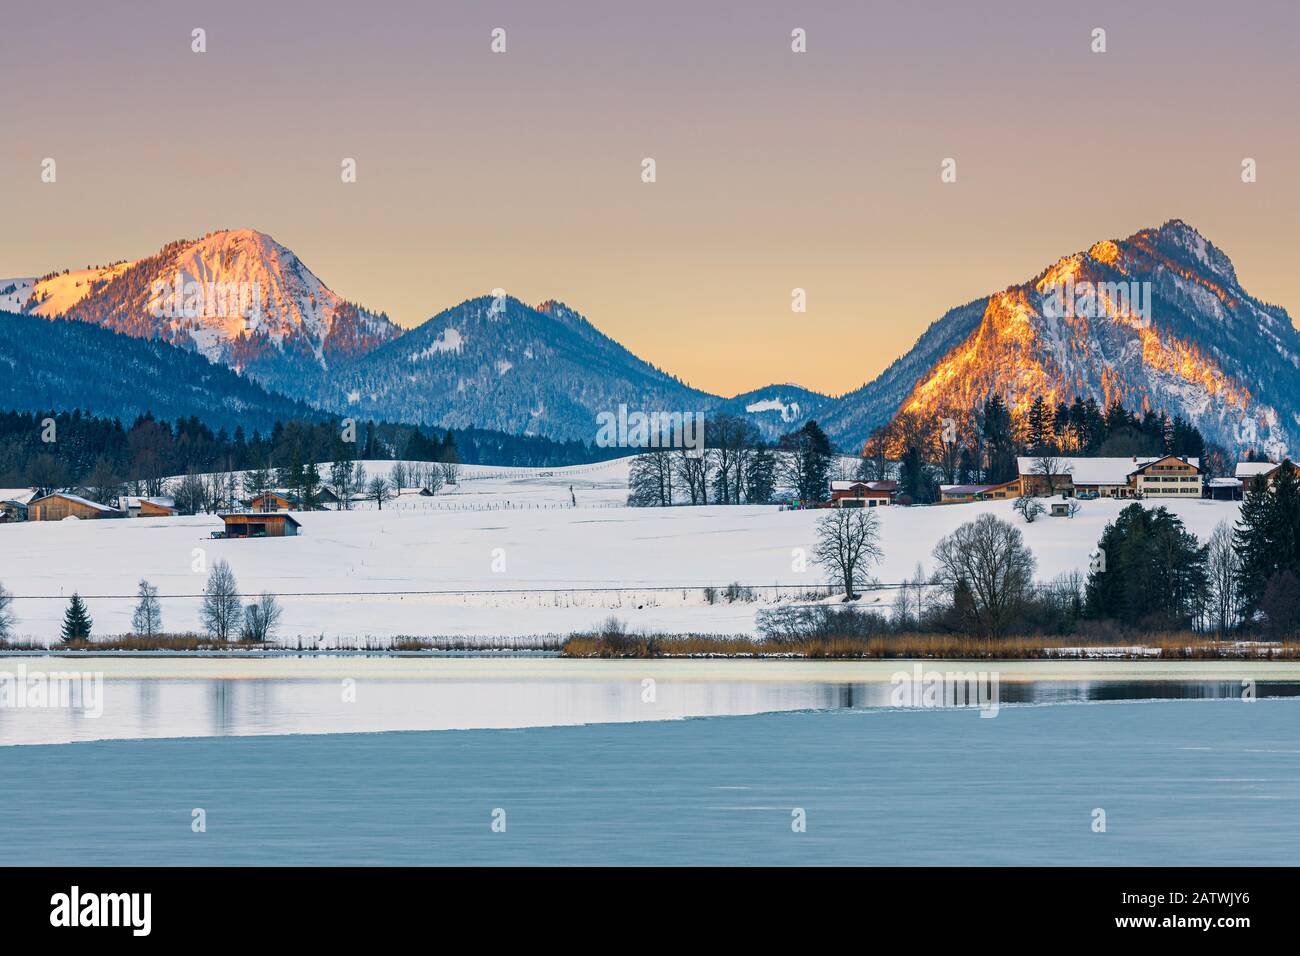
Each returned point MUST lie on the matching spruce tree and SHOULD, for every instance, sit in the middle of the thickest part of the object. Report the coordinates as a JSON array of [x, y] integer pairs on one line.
[[1153, 568], [76, 621], [760, 476], [1268, 538], [814, 448]]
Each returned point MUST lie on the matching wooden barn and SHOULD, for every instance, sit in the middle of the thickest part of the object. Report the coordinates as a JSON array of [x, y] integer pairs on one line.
[[260, 524], [58, 506], [275, 501]]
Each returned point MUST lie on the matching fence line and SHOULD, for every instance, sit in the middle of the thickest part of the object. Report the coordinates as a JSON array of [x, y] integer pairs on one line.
[[721, 589]]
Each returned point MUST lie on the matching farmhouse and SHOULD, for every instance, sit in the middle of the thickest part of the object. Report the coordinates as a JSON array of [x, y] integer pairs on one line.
[[57, 506], [1168, 477], [862, 494], [1152, 477], [1261, 474], [260, 524]]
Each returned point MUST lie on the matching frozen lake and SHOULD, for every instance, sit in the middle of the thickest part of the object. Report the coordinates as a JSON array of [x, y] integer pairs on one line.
[[140, 697], [1192, 782]]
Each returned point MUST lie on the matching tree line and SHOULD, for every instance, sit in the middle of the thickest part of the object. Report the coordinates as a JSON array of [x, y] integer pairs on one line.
[[75, 450], [734, 466], [222, 612]]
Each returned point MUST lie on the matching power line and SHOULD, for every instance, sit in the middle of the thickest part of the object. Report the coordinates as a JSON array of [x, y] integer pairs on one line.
[[485, 591]]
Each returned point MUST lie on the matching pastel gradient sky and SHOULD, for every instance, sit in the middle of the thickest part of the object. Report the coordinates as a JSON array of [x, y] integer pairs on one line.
[[775, 170]]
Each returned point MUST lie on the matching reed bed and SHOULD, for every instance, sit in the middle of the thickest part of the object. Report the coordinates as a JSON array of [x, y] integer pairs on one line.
[[938, 646]]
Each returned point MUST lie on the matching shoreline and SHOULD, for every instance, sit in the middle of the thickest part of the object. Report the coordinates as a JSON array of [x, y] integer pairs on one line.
[[533, 668]]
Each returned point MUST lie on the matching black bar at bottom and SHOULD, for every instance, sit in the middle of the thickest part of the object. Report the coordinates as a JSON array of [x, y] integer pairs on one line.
[[302, 905]]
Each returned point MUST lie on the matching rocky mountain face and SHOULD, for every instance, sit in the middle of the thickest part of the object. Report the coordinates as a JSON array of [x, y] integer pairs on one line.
[[238, 297], [1157, 320], [498, 363]]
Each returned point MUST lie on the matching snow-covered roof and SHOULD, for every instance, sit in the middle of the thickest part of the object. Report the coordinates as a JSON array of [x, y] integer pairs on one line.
[[1252, 469], [1094, 471], [133, 501], [260, 514], [17, 495], [876, 486], [77, 499], [1224, 483], [964, 489]]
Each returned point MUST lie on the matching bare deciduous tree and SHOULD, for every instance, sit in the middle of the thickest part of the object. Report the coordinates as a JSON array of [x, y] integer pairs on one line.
[[1053, 469], [692, 470], [1223, 568], [400, 476], [985, 561], [146, 621], [875, 463], [432, 479], [6, 613], [191, 494], [261, 618], [650, 480], [848, 542], [1029, 508], [220, 609], [379, 491]]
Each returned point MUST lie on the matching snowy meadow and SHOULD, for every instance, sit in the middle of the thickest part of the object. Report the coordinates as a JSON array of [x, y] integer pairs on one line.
[[503, 552]]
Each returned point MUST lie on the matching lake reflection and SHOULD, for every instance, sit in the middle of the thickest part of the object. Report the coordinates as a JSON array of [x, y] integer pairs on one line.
[[153, 708]]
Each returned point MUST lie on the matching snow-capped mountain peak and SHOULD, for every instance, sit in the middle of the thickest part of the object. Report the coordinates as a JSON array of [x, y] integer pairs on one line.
[[235, 295], [1156, 321]]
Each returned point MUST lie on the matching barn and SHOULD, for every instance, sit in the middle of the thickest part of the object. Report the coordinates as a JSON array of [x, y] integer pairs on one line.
[[260, 524], [57, 506]]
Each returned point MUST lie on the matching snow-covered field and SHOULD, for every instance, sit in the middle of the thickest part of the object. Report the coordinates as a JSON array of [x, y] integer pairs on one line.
[[536, 563]]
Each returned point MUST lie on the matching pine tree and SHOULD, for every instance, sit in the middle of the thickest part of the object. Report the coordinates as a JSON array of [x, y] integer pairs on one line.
[[1040, 425], [76, 621], [1153, 567], [760, 476], [309, 490], [809, 456], [257, 481], [1268, 538], [998, 439], [449, 452]]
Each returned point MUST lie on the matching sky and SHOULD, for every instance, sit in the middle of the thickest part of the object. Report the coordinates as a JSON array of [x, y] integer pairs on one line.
[[775, 170]]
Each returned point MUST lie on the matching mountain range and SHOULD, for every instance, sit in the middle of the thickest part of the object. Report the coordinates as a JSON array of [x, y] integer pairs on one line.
[[1158, 320]]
